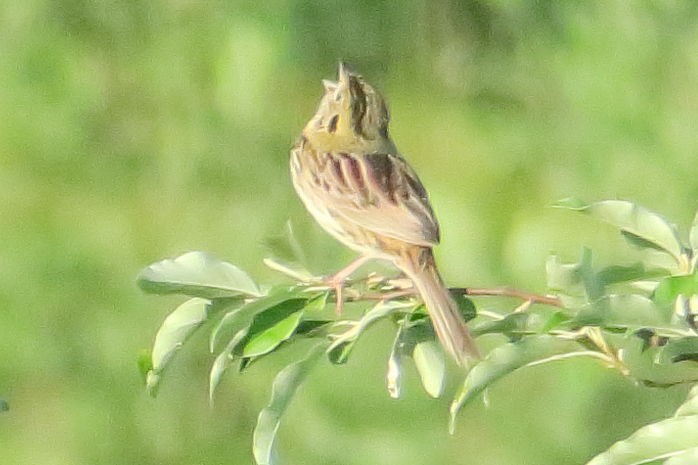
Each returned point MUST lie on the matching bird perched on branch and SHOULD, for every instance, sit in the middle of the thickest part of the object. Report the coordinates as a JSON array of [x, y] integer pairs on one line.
[[353, 180]]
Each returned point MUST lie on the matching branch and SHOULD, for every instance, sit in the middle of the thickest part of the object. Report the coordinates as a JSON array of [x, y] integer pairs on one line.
[[470, 291], [400, 287], [509, 292]]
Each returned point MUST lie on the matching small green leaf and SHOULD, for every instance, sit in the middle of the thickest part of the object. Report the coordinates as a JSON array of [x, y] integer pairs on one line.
[[416, 339], [513, 322], [224, 329], [429, 360], [641, 226], [555, 320], [687, 457], [223, 361], [502, 361], [317, 303], [264, 338], [679, 349], [620, 274], [466, 307], [197, 274], [393, 377], [250, 320], [4, 406], [575, 283], [690, 406], [293, 270], [338, 352], [631, 311], [284, 387], [243, 316], [669, 288], [649, 364], [657, 441], [570, 203], [145, 364], [175, 330], [693, 235], [313, 328], [564, 277], [285, 245]]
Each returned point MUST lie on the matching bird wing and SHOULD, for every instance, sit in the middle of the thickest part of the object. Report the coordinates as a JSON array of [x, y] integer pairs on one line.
[[382, 193]]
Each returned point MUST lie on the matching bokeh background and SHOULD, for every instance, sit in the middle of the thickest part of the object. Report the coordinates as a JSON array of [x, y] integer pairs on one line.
[[134, 130]]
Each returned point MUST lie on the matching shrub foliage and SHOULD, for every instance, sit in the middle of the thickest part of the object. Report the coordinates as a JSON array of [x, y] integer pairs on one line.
[[639, 319]]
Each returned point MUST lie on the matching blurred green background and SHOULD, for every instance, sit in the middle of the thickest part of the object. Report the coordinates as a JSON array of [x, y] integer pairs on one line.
[[131, 131]]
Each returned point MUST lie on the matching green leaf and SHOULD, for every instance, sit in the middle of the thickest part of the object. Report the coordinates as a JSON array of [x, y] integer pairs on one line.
[[266, 333], [679, 350], [252, 319], [631, 311], [687, 457], [693, 235], [312, 327], [620, 274], [416, 339], [285, 245], [223, 361], [145, 364], [175, 330], [294, 270], [570, 203], [393, 377], [4, 406], [197, 274], [287, 255], [284, 387], [317, 303], [555, 320], [657, 441], [502, 361], [639, 225], [575, 283], [243, 316], [429, 360], [649, 364], [690, 406], [224, 329], [565, 277], [513, 322], [466, 307], [338, 352], [669, 288]]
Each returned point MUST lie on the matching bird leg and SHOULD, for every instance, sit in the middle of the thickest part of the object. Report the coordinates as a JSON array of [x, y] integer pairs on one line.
[[337, 280]]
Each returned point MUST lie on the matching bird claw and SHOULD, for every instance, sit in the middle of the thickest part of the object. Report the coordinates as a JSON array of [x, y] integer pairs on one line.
[[337, 284], [338, 280]]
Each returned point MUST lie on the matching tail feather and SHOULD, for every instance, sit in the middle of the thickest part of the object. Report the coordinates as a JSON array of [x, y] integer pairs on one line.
[[446, 319]]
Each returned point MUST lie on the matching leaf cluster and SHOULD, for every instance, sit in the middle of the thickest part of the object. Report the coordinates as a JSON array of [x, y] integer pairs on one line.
[[638, 319]]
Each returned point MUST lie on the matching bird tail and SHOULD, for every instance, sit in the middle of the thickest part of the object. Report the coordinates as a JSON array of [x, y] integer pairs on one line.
[[419, 265]]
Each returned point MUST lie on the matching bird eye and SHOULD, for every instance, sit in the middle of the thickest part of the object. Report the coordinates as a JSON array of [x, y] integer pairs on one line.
[[332, 125]]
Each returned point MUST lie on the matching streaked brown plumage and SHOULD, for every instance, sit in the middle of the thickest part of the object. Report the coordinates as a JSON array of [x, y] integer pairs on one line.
[[352, 179]]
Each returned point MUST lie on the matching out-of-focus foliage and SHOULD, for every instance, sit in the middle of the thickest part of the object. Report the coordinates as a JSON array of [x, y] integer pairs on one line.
[[132, 131]]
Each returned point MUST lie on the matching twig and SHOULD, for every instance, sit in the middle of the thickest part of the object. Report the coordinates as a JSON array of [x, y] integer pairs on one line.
[[508, 292], [398, 288], [470, 291]]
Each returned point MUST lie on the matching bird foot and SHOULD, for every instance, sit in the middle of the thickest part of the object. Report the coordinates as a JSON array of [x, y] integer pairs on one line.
[[338, 280]]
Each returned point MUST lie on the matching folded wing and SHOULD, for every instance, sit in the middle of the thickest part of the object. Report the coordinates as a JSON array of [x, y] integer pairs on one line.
[[379, 192]]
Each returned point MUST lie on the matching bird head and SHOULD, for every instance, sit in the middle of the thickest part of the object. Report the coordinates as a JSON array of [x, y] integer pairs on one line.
[[350, 110]]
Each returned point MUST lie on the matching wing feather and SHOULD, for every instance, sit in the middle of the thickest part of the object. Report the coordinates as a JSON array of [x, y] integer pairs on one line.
[[382, 193]]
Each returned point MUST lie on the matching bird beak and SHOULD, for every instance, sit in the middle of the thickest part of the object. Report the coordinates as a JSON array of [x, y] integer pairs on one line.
[[344, 72]]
